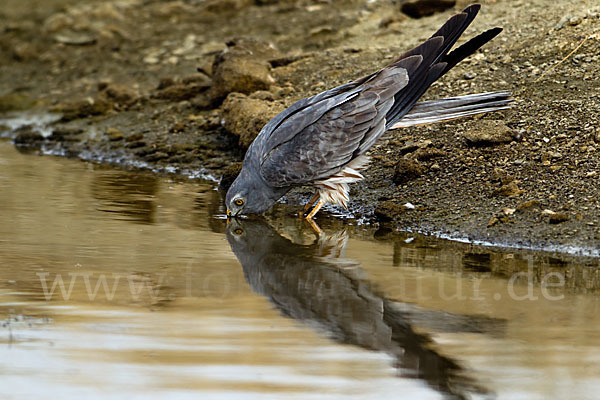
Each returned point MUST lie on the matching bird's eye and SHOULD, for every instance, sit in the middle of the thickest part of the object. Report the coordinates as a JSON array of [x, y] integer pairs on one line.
[[238, 202], [238, 231]]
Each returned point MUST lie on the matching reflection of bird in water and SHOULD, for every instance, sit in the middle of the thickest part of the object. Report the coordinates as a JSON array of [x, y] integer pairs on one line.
[[313, 284]]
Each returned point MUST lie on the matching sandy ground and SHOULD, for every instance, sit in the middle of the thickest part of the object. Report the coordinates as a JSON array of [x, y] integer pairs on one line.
[[145, 83]]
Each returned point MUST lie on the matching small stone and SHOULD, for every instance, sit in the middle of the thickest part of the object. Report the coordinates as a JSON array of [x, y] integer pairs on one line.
[[407, 170], [134, 138], [558, 218], [25, 52], [388, 210], [181, 92], [75, 38], [114, 134], [493, 221], [469, 75], [489, 132], [28, 138], [151, 59], [65, 134], [527, 205], [165, 83], [82, 108], [508, 211], [573, 21], [425, 154], [120, 94], [500, 175], [508, 190], [178, 127]]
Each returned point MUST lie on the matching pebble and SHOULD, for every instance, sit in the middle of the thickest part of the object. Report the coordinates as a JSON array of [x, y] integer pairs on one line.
[[407, 170], [114, 134], [558, 218]]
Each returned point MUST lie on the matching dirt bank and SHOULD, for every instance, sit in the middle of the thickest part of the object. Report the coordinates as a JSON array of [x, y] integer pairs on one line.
[[148, 83]]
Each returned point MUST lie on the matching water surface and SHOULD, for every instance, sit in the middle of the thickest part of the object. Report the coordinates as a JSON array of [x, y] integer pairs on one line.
[[130, 285]]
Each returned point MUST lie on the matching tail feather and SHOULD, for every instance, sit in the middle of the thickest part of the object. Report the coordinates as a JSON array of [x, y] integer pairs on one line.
[[436, 60], [431, 111]]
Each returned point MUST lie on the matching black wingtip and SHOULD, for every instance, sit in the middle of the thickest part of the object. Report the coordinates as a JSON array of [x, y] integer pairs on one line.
[[473, 8]]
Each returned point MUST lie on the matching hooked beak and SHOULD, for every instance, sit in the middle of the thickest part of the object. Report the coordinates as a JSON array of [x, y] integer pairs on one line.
[[228, 213]]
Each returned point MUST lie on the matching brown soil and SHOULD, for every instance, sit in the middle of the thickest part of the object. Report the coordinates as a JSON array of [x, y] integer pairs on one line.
[[146, 83]]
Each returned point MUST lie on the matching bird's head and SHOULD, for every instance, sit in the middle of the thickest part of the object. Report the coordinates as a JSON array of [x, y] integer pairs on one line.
[[249, 194]]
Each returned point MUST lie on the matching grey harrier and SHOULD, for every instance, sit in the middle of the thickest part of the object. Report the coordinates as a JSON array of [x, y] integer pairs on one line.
[[321, 141]]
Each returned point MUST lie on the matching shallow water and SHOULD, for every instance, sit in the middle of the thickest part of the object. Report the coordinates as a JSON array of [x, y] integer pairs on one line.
[[131, 285]]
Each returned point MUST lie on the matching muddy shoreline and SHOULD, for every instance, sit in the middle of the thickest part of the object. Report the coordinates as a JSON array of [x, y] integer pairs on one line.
[[146, 84]]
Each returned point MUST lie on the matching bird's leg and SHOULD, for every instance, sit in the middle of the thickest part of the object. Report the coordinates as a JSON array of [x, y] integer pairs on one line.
[[315, 227], [308, 205], [315, 210]]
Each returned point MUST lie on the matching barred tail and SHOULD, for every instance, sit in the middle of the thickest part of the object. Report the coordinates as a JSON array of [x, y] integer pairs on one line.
[[430, 111]]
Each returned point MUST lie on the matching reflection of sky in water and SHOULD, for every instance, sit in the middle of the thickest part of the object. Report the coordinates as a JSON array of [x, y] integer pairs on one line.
[[196, 329]]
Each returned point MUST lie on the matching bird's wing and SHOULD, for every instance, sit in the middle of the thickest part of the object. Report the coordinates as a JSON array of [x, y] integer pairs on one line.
[[329, 133], [316, 137]]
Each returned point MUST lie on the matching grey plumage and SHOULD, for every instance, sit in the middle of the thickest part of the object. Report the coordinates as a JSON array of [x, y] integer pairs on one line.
[[319, 140], [314, 284]]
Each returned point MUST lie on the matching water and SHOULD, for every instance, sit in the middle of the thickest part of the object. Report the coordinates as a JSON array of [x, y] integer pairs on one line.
[[127, 285]]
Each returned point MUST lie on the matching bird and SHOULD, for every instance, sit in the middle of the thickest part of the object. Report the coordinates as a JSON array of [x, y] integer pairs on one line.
[[321, 141]]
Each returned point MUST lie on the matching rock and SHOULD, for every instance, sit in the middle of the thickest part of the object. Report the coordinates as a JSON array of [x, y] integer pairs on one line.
[[196, 79], [508, 190], [500, 175], [82, 108], [528, 205], [423, 8], [114, 134], [226, 6], [177, 127], [245, 117], [134, 138], [406, 170], [75, 38], [489, 132], [65, 134], [388, 210], [28, 138], [493, 221], [243, 67], [231, 172], [156, 156], [25, 52], [207, 100], [165, 83], [119, 94], [181, 92], [558, 218], [426, 154], [508, 211]]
